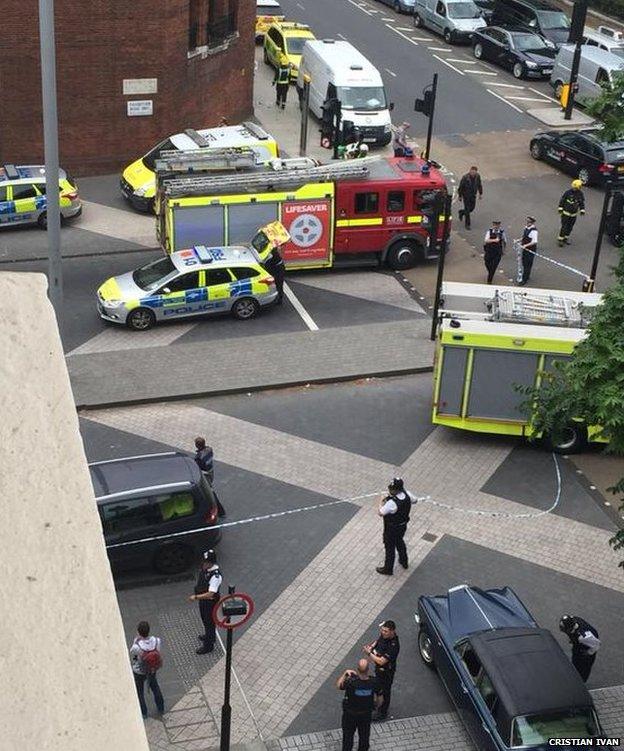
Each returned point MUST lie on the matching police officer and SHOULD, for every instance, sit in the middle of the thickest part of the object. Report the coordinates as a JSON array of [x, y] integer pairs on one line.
[[528, 243], [361, 697], [204, 458], [281, 81], [571, 204], [395, 511], [383, 653], [584, 640], [206, 594], [274, 264], [493, 246]]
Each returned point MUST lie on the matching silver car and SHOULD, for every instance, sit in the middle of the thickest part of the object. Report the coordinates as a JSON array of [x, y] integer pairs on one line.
[[188, 283]]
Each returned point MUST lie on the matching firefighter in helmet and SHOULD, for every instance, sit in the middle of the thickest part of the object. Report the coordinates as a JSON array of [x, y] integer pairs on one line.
[[571, 203], [281, 81]]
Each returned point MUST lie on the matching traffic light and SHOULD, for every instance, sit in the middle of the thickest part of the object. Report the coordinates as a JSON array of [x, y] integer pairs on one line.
[[579, 15], [426, 104]]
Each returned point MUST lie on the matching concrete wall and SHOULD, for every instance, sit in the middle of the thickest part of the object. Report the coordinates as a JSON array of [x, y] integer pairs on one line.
[[65, 682]]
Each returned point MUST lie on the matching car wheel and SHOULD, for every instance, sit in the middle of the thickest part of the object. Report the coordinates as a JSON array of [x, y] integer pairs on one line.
[[518, 70], [265, 57], [584, 176], [617, 239], [42, 220], [425, 647], [140, 319], [537, 152], [403, 254], [572, 441], [417, 21], [558, 89], [478, 50], [173, 559], [448, 36], [245, 308]]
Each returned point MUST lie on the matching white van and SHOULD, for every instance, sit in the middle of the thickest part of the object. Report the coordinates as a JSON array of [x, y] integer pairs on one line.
[[612, 42], [338, 70], [596, 66], [455, 20]]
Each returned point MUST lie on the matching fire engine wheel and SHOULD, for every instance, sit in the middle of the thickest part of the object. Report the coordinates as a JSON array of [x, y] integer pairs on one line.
[[140, 319], [403, 255], [572, 440], [245, 308]]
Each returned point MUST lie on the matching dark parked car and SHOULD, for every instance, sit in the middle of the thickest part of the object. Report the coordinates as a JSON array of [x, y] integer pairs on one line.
[[156, 510], [511, 682], [487, 9], [527, 55], [580, 153], [533, 15]]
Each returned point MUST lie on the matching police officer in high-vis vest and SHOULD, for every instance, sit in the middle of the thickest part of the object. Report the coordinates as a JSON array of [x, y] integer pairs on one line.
[[394, 509], [281, 81], [207, 591], [493, 246], [571, 204]]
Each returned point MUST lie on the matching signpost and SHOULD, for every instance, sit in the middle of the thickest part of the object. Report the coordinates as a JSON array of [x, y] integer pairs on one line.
[[305, 112], [447, 204], [426, 105], [579, 15]]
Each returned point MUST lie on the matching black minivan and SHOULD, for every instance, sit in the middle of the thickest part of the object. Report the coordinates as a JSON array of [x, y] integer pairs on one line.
[[538, 16], [156, 510]]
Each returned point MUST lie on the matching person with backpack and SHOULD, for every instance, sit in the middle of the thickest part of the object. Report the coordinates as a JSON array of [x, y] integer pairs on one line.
[[146, 660]]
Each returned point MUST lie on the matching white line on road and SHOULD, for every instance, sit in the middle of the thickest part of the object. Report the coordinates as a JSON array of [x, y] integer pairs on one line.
[[506, 85], [391, 20], [450, 65], [392, 73], [526, 98], [438, 49], [342, 37], [300, 6], [404, 28], [546, 96], [482, 72], [359, 7], [422, 39], [460, 60], [306, 317], [400, 33], [498, 96]]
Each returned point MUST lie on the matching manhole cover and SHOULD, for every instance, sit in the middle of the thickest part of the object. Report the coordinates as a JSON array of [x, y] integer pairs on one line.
[[454, 139], [429, 537]]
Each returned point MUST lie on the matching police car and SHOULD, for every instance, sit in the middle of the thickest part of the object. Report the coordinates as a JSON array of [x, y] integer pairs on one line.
[[188, 283], [23, 195]]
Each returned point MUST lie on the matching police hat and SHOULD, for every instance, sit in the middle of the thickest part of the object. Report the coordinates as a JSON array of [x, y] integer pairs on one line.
[[566, 624], [210, 556], [396, 484]]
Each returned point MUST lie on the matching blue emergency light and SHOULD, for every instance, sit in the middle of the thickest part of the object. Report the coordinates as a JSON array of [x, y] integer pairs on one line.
[[208, 255]]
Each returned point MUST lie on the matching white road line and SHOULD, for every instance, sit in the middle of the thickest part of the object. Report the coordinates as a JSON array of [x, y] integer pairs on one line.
[[404, 28], [526, 98], [400, 33], [506, 85], [359, 7], [392, 73], [498, 96], [450, 65], [482, 72], [438, 49], [300, 6], [342, 37], [422, 39], [306, 317], [461, 60], [547, 97], [391, 20]]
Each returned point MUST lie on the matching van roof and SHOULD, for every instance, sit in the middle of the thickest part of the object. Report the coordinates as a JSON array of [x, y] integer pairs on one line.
[[14, 172], [224, 137], [267, 4], [214, 257], [603, 38], [347, 63], [595, 55], [131, 474]]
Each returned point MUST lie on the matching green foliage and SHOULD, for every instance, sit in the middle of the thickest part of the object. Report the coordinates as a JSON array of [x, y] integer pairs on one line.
[[608, 108]]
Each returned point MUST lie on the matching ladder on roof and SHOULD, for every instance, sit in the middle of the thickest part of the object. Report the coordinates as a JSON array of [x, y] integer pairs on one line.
[[207, 159], [548, 310], [270, 177]]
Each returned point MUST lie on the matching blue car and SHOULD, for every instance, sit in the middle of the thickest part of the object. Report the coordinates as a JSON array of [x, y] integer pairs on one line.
[[512, 684]]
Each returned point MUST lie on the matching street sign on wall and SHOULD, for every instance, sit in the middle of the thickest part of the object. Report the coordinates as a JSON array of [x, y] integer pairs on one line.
[[140, 107], [140, 86]]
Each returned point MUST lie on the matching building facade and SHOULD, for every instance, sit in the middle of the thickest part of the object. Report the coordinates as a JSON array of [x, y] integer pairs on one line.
[[129, 74]]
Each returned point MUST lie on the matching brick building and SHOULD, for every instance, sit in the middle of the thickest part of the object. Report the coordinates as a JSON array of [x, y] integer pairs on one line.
[[188, 62]]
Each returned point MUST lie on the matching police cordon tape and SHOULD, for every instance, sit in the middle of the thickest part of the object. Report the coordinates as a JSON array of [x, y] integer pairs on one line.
[[415, 499], [519, 249]]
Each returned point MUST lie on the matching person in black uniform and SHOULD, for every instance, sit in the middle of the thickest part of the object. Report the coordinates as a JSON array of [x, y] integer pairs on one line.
[[204, 458], [493, 246], [528, 244], [361, 696], [395, 511], [571, 204], [274, 264], [281, 81], [384, 653], [469, 188], [207, 591], [584, 640]]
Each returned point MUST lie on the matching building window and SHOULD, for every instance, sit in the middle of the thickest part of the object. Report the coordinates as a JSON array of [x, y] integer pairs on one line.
[[194, 11], [221, 24]]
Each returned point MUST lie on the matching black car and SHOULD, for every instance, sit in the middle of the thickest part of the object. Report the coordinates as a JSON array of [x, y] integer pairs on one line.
[[533, 15], [580, 153], [527, 55], [487, 9], [156, 510]]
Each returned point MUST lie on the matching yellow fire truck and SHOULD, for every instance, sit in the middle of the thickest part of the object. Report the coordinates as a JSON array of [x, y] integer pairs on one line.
[[491, 340]]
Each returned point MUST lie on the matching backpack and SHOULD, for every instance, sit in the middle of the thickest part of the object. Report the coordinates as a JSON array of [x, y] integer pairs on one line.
[[152, 660]]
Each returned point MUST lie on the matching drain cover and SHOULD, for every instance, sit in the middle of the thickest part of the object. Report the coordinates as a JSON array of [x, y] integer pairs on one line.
[[429, 537]]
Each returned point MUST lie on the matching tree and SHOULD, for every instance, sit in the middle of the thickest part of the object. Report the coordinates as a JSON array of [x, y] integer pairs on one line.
[[608, 108], [590, 386]]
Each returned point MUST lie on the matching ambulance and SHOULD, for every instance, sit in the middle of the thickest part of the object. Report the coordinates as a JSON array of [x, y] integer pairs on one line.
[[367, 211], [138, 181], [492, 340]]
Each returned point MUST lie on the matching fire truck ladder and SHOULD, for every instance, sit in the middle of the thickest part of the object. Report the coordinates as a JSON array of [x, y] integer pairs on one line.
[[284, 176], [207, 160], [548, 310]]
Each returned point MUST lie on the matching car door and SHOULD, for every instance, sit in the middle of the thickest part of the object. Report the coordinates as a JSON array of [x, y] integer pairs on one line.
[[507, 54], [558, 150], [573, 157], [590, 155], [218, 285], [497, 49], [24, 203], [471, 675], [6, 206], [438, 17], [124, 521], [182, 296]]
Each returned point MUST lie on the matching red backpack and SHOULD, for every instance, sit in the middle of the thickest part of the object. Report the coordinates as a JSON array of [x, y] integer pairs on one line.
[[152, 660]]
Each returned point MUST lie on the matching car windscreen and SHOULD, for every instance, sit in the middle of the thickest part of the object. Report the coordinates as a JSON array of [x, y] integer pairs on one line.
[[463, 10], [367, 98], [147, 277], [149, 160], [534, 730], [295, 44], [553, 19], [528, 42]]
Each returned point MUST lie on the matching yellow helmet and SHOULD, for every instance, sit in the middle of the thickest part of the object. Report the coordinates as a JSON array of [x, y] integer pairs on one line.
[[577, 184], [283, 59]]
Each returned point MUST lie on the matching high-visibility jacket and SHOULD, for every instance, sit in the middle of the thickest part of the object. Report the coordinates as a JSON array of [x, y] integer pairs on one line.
[[571, 202], [282, 74]]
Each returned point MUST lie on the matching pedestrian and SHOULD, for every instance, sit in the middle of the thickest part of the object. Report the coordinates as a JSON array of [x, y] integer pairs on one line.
[[274, 264], [584, 640], [361, 697], [528, 243], [394, 509], [493, 246], [383, 653], [204, 458], [469, 188], [281, 81], [400, 144], [571, 204], [146, 659], [207, 591]]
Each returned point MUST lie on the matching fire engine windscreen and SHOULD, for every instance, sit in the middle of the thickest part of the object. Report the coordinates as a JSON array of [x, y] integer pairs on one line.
[[367, 98]]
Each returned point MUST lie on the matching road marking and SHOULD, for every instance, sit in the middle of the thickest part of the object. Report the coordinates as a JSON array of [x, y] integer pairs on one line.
[[438, 49], [391, 72], [482, 72], [342, 37], [547, 97], [422, 39], [450, 65], [498, 96], [359, 7], [460, 60], [400, 33], [306, 317], [506, 85], [300, 6], [525, 98], [388, 19], [404, 28]]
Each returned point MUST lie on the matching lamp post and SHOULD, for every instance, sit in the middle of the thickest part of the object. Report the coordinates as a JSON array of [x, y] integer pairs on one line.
[[305, 111], [589, 284], [447, 203], [579, 15]]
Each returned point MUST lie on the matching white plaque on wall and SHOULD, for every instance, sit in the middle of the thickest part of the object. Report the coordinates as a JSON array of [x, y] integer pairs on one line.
[[140, 85], [140, 107]]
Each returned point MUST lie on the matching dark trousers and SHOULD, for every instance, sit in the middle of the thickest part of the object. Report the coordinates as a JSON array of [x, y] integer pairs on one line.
[[385, 680], [393, 540], [152, 682], [279, 286], [527, 265], [220, 509], [583, 663], [205, 613], [468, 208], [492, 259], [352, 722], [281, 90], [567, 223]]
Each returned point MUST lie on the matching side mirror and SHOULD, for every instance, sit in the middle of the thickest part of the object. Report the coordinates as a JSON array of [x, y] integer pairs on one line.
[[391, 107]]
